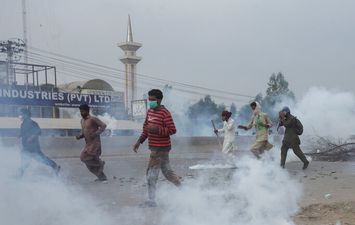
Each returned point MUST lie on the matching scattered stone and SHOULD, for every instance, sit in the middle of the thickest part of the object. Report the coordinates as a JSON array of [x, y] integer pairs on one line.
[[327, 196]]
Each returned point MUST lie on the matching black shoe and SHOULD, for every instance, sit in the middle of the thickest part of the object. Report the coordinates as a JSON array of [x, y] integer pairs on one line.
[[282, 166], [305, 165]]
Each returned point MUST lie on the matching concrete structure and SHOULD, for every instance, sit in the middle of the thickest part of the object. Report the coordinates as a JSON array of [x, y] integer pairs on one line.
[[83, 85], [95, 86], [130, 61], [68, 123]]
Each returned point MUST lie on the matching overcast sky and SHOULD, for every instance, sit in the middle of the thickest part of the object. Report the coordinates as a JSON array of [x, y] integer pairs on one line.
[[234, 45]]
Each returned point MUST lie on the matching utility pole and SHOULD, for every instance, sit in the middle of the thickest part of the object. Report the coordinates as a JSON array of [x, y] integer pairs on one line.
[[12, 48], [24, 26]]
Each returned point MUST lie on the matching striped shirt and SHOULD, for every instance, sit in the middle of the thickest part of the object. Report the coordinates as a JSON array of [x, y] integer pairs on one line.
[[163, 120]]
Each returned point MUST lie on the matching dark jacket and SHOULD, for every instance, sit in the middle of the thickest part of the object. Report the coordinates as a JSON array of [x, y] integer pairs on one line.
[[29, 134], [290, 137]]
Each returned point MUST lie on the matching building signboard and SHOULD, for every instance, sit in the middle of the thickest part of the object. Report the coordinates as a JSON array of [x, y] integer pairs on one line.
[[11, 96]]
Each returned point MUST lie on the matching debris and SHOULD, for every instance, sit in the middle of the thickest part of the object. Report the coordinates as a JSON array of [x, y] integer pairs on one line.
[[325, 149], [327, 196]]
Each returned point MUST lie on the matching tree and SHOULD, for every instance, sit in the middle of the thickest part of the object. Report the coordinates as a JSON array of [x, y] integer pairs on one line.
[[278, 86], [204, 107], [202, 112], [276, 93]]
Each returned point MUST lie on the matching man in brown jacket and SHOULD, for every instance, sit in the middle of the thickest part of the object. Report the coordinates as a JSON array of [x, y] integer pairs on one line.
[[91, 128]]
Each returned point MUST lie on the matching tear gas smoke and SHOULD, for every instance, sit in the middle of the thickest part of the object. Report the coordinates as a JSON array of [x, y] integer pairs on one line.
[[257, 193], [327, 113], [40, 198]]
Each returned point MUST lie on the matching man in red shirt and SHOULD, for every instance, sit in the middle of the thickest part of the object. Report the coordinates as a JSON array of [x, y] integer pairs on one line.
[[158, 127]]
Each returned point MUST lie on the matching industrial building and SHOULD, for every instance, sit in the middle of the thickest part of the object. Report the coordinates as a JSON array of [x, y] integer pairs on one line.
[[55, 107]]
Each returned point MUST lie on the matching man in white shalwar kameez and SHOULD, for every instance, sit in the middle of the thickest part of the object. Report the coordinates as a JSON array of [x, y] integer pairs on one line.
[[229, 133]]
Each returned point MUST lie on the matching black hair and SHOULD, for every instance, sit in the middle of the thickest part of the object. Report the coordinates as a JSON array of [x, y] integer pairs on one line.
[[253, 104], [26, 112], [84, 107], [156, 92]]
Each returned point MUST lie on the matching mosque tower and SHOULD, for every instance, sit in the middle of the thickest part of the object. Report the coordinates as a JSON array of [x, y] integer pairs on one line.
[[130, 60]]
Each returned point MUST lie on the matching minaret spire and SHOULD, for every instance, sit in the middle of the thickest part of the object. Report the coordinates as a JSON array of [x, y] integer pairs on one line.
[[129, 30], [130, 60]]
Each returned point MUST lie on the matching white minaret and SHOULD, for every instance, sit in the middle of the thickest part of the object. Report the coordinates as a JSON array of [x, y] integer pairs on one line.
[[130, 61]]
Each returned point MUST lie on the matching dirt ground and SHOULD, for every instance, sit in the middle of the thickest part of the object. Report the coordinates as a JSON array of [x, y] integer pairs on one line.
[[320, 214], [329, 194]]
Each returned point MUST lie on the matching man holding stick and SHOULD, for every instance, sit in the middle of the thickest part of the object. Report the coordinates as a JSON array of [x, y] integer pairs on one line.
[[229, 132]]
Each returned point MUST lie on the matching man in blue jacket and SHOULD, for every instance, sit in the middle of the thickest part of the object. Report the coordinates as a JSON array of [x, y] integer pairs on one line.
[[31, 148]]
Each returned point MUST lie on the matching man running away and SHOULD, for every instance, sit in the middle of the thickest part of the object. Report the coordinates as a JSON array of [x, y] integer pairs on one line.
[[229, 132], [31, 149], [91, 129], [262, 123], [291, 138]]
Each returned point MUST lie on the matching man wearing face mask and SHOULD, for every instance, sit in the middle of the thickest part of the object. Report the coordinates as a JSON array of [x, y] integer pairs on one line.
[[158, 127], [229, 132], [31, 149], [262, 123]]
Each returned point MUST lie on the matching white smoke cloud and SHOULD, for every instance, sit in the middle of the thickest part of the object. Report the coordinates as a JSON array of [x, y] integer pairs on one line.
[[327, 113], [109, 120], [257, 193], [40, 198]]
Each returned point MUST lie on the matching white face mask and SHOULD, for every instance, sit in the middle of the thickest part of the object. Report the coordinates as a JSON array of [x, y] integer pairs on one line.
[[256, 111], [20, 117]]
